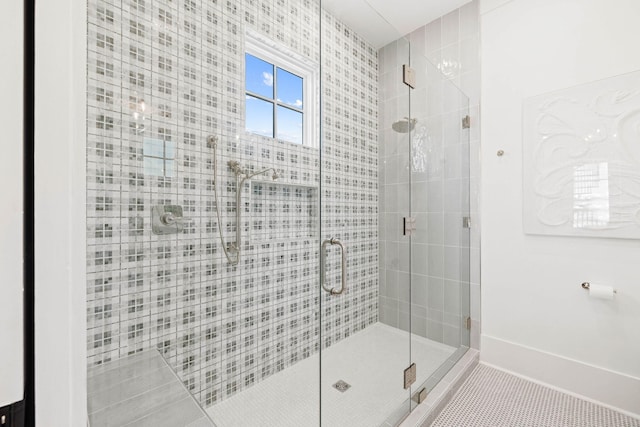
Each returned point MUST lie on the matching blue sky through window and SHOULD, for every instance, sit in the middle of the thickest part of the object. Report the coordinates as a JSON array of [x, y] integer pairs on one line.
[[289, 88], [260, 113], [259, 76], [259, 116], [289, 125]]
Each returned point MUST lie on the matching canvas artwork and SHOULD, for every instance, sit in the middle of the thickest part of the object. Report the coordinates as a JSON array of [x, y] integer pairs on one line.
[[582, 160]]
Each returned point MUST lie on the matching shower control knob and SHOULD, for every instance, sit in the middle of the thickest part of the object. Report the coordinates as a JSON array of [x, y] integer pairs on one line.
[[168, 218]]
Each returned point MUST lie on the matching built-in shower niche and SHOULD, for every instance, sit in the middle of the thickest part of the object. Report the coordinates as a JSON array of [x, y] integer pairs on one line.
[[141, 390], [282, 213]]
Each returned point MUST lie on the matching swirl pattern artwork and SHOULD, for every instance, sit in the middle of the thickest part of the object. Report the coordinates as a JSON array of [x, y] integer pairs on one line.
[[581, 164]]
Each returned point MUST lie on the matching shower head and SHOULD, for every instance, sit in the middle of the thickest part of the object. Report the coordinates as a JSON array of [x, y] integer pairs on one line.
[[404, 125], [275, 175]]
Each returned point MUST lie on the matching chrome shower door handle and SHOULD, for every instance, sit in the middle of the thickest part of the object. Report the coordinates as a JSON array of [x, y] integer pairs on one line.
[[323, 260]]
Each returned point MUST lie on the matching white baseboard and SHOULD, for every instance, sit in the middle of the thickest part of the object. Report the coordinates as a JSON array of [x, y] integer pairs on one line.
[[608, 388]]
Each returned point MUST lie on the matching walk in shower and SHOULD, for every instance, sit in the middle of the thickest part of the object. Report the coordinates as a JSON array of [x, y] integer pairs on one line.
[[277, 214]]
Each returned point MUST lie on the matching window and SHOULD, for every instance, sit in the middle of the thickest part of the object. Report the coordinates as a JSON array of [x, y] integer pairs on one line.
[[274, 101], [280, 89]]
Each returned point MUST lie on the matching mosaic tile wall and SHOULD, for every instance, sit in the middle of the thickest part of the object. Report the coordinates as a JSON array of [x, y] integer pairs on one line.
[[164, 74], [350, 177]]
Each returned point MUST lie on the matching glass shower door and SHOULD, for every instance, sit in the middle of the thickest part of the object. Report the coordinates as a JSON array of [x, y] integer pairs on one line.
[[364, 292], [377, 367], [201, 238], [439, 159]]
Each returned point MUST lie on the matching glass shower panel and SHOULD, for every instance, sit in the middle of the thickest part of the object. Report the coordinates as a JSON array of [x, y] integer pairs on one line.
[[440, 203], [365, 194], [228, 267], [202, 240]]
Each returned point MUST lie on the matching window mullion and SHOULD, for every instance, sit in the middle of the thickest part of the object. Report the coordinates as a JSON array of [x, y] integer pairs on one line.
[[275, 101], [289, 107], [255, 95]]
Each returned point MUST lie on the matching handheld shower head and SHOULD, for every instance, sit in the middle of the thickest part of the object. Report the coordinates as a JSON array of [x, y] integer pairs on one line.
[[234, 165], [212, 141], [275, 175]]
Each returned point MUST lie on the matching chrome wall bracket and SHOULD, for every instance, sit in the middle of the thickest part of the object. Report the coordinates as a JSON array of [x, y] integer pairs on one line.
[[409, 376], [466, 122]]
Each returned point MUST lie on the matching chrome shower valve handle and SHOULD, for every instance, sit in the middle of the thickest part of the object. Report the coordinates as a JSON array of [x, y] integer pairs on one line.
[[168, 218]]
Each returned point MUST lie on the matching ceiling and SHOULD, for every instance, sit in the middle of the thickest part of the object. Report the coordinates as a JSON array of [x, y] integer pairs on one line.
[[383, 21]]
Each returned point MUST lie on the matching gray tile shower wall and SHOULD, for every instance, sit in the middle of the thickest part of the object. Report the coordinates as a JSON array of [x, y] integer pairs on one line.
[[455, 39], [445, 273], [162, 76]]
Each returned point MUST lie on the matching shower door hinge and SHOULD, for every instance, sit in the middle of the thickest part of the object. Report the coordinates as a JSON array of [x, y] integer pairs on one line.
[[409, 76], [466, 222], [409, 376], [466, 122], [408, 225], [420, 396], [467, 323]]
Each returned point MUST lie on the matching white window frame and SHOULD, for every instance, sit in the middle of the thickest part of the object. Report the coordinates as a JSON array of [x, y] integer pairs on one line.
[[282, 57]]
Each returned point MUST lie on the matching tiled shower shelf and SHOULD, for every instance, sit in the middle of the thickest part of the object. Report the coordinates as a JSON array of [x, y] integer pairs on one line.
[[141, 390]]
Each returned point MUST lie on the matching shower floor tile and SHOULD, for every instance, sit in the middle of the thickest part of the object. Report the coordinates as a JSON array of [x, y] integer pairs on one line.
[[493, 398], [371, 362]]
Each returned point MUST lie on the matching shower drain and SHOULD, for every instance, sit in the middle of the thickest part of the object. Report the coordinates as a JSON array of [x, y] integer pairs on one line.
[[341, 386]]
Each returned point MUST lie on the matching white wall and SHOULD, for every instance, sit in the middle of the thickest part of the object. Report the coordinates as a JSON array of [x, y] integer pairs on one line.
[[537, 321], [60, 317], [11, 239]]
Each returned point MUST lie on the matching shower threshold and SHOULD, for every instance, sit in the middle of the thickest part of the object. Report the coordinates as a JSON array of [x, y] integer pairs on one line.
[[371, 361]]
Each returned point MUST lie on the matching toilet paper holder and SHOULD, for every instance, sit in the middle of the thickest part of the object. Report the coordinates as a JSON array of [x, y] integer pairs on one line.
[[587, 285]]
